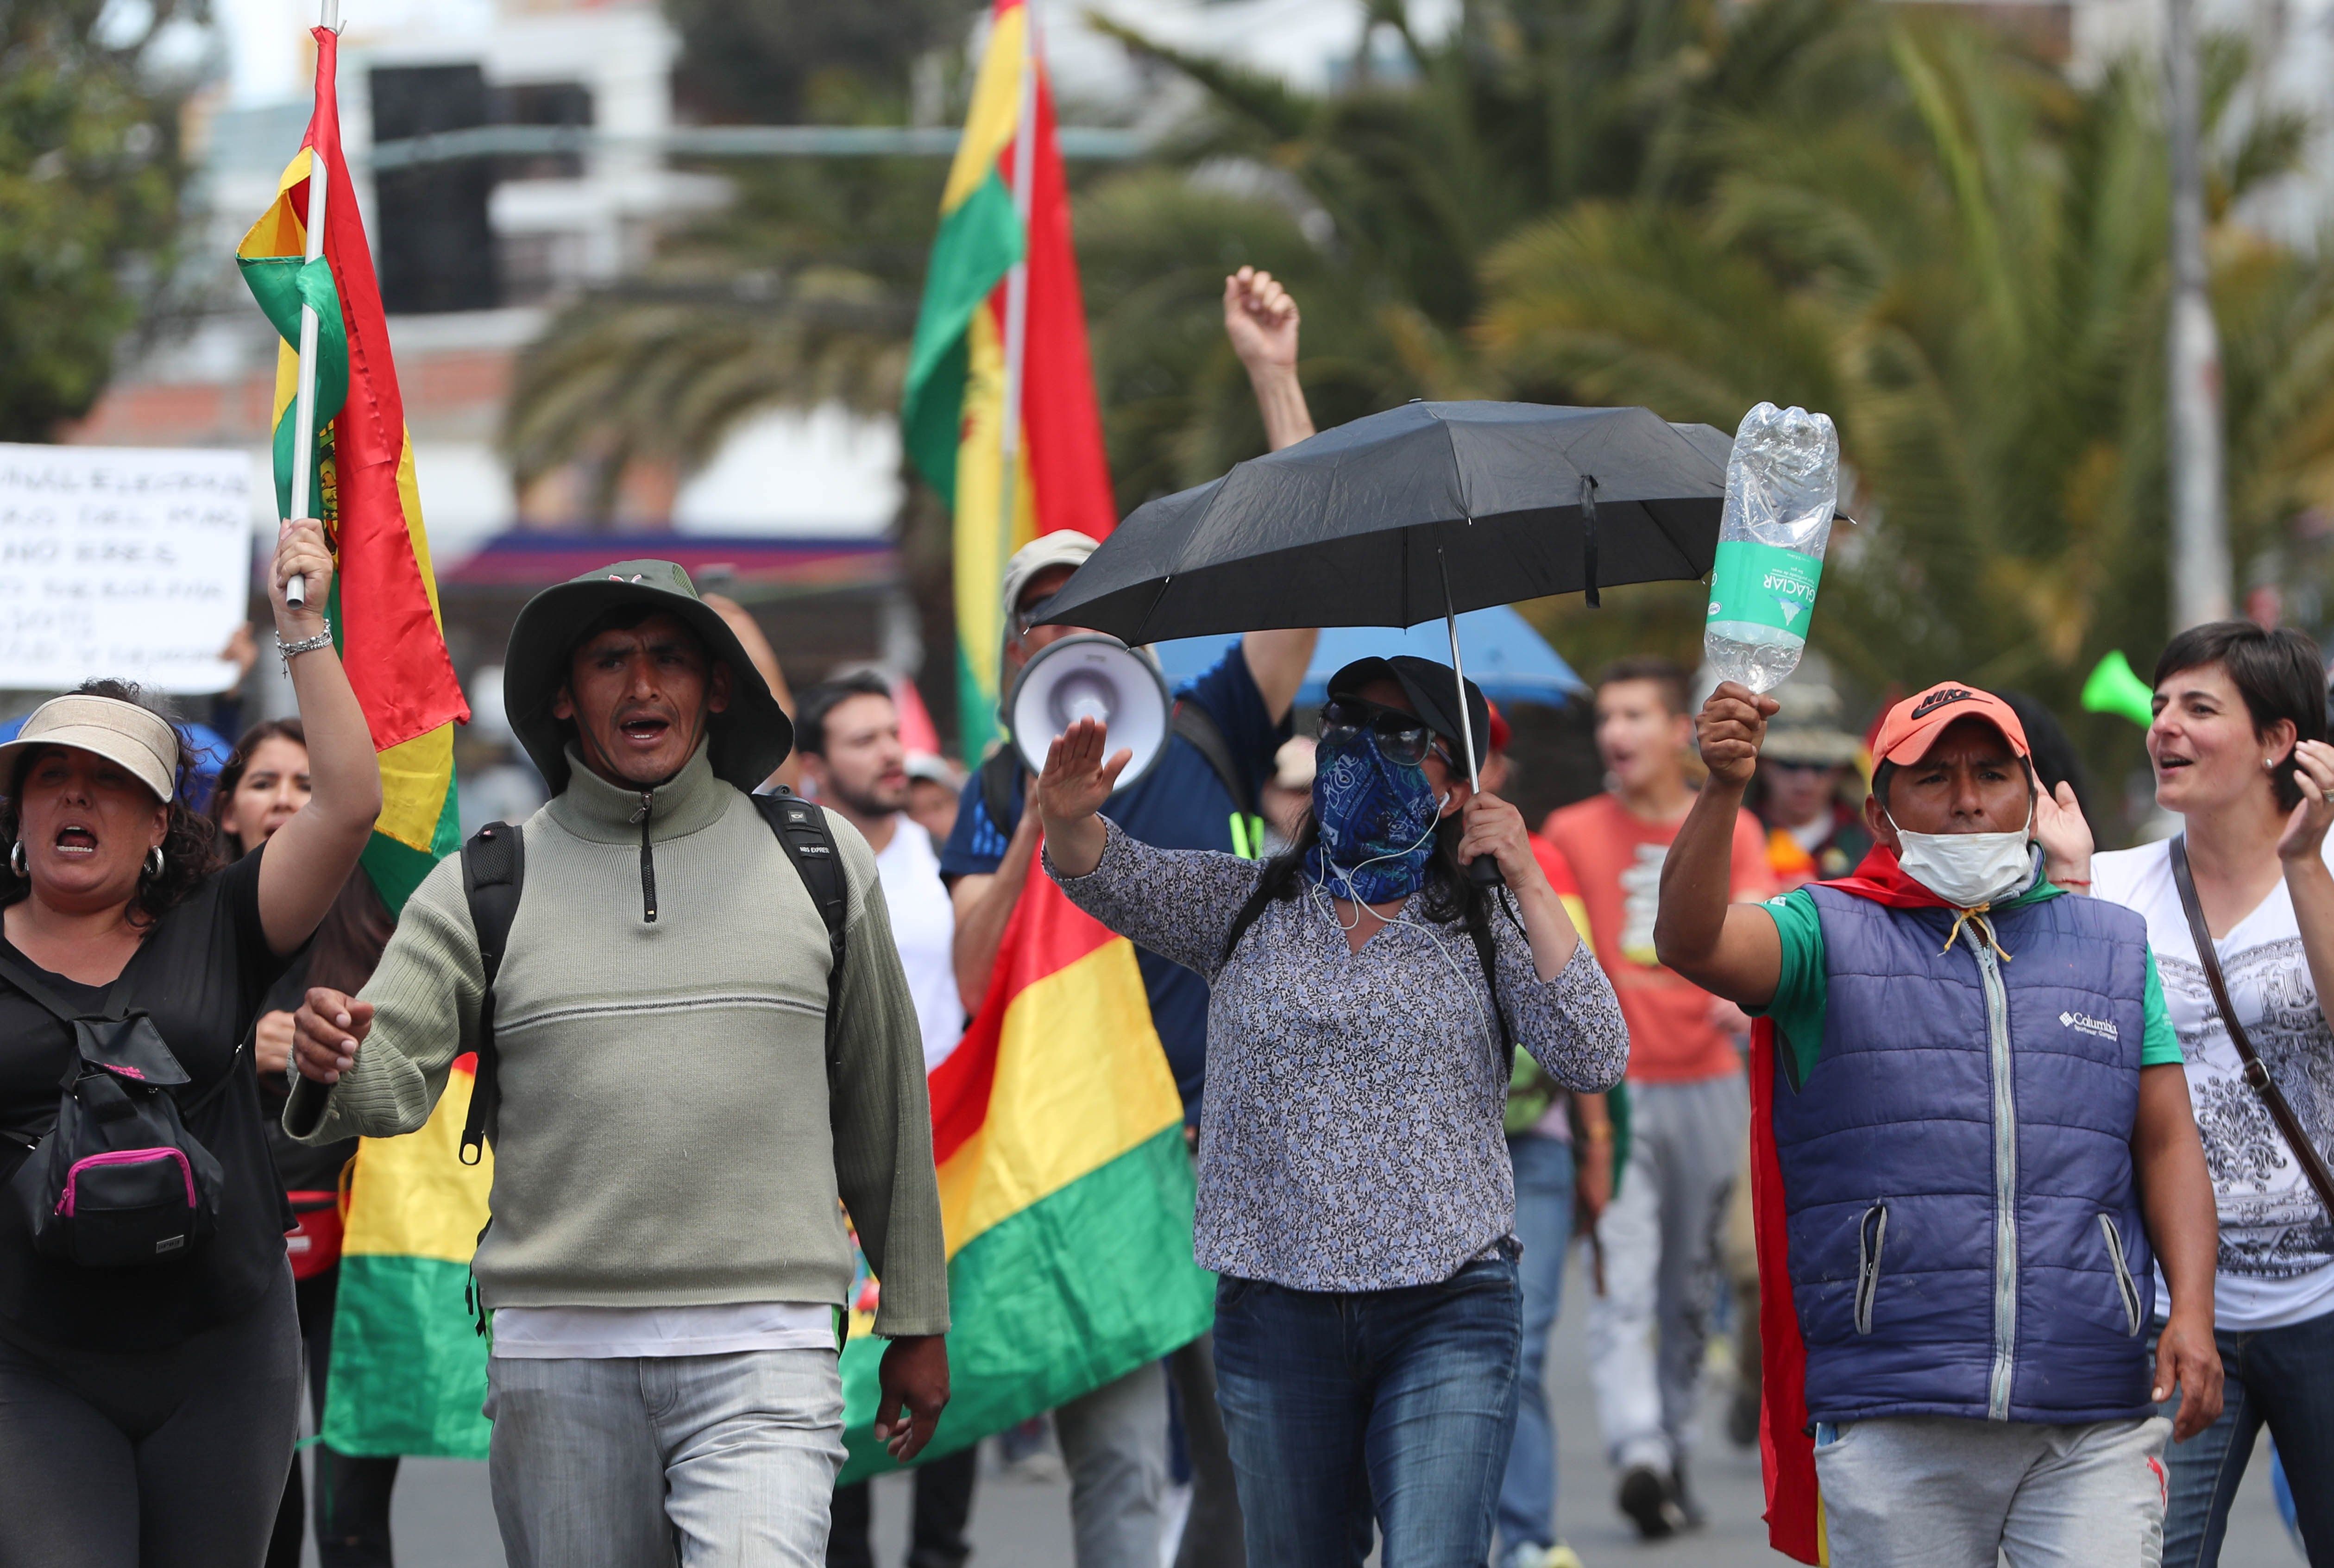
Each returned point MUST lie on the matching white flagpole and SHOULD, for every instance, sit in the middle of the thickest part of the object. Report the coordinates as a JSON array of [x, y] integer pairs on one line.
[[303, 407], [1017, 283]]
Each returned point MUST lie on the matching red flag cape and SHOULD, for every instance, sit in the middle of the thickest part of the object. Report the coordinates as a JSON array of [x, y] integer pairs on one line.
[[1787, 1454]]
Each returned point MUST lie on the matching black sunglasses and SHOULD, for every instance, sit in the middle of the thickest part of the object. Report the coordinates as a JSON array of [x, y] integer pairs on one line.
[[1401, 737]]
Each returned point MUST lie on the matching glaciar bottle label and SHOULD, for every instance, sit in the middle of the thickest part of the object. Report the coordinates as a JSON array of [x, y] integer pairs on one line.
[[1764, 585]]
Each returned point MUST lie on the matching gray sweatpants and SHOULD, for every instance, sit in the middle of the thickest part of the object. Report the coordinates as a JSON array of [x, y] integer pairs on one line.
[[1660, 1239], [1944, 1492]]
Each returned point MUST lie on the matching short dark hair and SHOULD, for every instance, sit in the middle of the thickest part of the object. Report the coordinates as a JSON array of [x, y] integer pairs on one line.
[[2279, 672], [815, 703], [1666, 674]]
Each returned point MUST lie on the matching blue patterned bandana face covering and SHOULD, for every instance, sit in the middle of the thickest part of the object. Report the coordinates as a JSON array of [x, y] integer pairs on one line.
[[1377, 823]]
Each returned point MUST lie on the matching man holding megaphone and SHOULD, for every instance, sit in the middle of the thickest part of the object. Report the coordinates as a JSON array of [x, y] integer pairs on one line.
[[1199, 792]]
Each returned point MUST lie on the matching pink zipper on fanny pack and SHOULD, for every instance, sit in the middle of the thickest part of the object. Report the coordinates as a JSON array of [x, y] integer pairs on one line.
[[126, 1157]]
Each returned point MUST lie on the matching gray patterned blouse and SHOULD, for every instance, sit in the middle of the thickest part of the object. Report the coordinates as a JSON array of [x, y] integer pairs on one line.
[[1350, 1139]]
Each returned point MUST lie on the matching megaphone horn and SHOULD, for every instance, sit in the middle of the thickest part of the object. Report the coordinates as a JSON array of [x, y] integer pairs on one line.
[[2114, 687], [1090, 676]]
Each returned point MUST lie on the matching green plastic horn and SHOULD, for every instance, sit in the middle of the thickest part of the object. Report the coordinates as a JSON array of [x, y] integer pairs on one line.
[[2113, 688]]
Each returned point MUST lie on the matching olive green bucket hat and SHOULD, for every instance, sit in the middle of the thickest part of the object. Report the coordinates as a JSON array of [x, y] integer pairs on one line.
[[748, 740]]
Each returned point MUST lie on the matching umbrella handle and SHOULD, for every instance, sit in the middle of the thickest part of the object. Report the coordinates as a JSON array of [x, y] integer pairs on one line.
[[1484, 871]]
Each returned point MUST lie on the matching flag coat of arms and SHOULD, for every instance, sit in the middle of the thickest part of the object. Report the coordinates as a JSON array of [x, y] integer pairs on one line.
[[953, 407], [407, 1371]]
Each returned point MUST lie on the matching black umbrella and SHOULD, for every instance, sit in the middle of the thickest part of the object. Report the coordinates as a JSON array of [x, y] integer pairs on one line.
[[1412, 515]]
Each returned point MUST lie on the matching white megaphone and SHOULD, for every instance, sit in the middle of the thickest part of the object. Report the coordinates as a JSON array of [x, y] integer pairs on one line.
[[1090, 676]]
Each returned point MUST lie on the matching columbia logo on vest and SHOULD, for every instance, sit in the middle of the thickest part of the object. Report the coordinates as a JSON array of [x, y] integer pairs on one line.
[[2083, 1024]]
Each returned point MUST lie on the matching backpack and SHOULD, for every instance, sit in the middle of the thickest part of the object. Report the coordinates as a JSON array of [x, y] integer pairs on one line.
[[494, 871], [119, 1182], [1195, 724]]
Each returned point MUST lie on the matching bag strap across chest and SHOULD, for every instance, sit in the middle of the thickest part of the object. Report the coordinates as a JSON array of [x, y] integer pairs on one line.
[[2256, 1071], [494, 875]]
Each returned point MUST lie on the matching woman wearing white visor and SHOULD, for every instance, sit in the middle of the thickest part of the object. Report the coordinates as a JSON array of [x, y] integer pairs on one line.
[[149, 1394]]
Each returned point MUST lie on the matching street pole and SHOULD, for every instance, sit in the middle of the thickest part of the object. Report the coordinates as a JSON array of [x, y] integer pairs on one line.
[[303, 406], [2200, 586]]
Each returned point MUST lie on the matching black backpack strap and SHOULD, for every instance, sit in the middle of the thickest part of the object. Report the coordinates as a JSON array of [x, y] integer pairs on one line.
[[493, 873], [998, 774], [1198, 726], [1488, 959], [22, 979], [802, 832]]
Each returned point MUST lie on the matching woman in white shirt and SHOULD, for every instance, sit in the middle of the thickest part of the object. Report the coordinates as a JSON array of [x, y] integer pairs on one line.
[[2240, 753]]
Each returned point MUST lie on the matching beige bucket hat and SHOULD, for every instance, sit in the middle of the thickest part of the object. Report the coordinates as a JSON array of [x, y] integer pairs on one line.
[[139, 738]]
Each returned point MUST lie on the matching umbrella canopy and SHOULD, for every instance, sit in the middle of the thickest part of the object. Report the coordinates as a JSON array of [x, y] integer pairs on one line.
[[1505, 656], [1403, 515]]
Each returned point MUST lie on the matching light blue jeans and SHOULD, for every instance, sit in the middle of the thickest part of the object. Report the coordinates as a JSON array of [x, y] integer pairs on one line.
[[1544, 1179], [704, 1461]]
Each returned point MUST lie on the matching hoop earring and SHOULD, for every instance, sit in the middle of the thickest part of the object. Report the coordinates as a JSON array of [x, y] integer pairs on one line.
[[154, 861], [16, 858]]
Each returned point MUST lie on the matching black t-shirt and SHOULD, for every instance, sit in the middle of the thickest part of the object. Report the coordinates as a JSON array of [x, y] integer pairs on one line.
[[200, 973]]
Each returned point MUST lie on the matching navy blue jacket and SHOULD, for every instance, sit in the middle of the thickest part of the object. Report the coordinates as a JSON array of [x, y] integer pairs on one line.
[[1964, 1224]]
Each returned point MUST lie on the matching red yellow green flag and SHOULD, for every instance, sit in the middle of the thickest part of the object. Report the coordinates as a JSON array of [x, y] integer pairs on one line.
[[384, 605], [409, 1369], [1065, 1188], [952, 410]]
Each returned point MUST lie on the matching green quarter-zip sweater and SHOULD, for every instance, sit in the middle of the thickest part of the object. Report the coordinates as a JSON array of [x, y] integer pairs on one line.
[[665, 1136]]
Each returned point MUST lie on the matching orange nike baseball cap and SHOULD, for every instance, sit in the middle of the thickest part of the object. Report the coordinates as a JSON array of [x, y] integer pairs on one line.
[[1913, 725]]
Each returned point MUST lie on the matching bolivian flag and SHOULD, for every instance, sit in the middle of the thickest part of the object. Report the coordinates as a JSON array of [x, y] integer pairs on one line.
[[384, 605], [1065, 1188], [953, 407], [408, 1371]]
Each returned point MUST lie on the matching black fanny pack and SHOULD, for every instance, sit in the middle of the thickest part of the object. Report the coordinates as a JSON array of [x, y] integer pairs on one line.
[[119, 1182]]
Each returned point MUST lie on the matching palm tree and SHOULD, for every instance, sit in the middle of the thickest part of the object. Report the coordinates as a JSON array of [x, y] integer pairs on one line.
[[802, 293], [1971, 282]]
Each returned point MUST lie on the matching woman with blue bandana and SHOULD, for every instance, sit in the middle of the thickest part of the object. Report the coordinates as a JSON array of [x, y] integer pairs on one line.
[[1354, 1192]]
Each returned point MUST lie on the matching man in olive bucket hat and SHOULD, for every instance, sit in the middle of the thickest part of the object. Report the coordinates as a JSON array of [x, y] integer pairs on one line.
[[676, 1121]]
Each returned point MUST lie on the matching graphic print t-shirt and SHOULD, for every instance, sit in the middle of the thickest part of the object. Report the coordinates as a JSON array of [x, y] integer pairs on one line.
[[2277, 1244], [1617, 856]]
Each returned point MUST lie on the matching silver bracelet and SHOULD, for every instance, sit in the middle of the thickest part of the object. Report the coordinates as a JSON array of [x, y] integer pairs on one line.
[[287, 651]]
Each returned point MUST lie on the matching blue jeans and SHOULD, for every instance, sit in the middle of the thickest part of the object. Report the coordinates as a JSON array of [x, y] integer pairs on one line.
[[1401, 1402], [2285, 1378], [1544, 1179]]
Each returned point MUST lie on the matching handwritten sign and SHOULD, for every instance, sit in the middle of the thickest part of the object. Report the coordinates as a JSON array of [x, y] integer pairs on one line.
[[122, 562]]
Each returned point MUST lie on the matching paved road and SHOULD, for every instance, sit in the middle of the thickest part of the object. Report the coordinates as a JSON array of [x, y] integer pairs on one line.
[[443, 1518]]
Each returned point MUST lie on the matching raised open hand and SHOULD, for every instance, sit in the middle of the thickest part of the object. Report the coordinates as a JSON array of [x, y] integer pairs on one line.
[[1078, 778]]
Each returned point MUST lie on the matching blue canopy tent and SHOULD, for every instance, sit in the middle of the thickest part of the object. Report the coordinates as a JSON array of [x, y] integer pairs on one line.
[[1512, 663]]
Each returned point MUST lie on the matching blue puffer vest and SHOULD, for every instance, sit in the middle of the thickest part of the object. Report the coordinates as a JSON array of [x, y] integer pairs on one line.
[[1965, 1231]]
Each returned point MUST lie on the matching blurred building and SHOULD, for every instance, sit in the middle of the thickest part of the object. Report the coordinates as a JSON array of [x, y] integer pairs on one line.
[[473, 253]]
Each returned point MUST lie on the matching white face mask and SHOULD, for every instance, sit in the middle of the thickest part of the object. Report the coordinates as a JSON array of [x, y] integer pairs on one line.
[[1967, 869]]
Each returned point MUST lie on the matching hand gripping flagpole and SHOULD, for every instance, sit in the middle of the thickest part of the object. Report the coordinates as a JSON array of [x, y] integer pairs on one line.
[[303, 407]]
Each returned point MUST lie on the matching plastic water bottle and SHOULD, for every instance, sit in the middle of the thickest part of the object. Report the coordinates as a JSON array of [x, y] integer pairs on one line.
[[1782, 482]]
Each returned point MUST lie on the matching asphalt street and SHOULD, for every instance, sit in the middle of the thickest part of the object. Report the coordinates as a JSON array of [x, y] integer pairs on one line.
[[443, 1518]]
